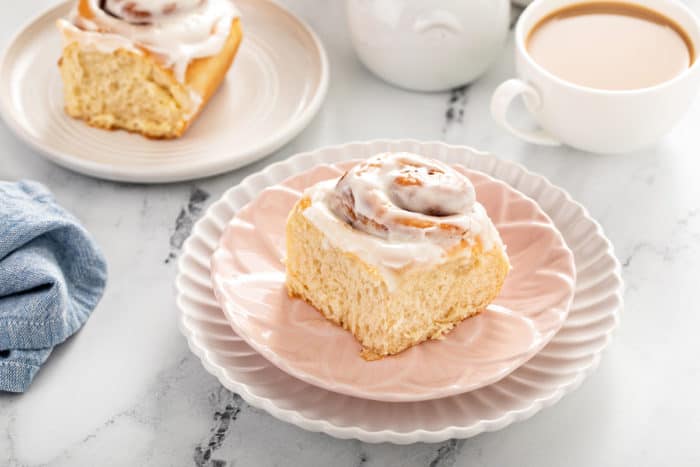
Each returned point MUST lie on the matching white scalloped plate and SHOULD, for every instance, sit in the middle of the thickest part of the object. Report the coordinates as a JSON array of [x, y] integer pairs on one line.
[[556, 370], [275, 87], [248, 277]]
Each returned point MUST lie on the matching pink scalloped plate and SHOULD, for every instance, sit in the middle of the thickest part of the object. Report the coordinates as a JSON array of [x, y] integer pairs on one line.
[[248, 280]]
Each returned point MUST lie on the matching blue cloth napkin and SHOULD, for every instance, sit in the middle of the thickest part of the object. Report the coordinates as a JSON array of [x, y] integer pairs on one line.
[[52, 275]]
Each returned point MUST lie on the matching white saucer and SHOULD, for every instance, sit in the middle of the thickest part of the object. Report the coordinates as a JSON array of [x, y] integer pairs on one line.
[[277, 84], [559, 368]]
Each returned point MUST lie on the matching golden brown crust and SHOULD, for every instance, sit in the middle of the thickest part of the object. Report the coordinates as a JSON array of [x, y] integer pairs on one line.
[[84, 9], [205, 75]]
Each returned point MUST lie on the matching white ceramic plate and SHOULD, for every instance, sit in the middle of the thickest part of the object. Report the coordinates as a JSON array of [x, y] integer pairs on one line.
[[275, 87], [559, 368]]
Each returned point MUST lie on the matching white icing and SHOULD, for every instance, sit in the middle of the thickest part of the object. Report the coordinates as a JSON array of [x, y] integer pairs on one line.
[[102, 42], [177, 32], [391, 251], [386, 256], [392, 188]]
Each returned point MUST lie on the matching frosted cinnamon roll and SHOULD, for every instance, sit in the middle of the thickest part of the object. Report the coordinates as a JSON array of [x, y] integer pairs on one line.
[[147, 66], [397, 250]]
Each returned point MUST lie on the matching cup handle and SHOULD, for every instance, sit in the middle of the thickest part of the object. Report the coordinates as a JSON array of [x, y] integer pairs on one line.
[[501, 100]]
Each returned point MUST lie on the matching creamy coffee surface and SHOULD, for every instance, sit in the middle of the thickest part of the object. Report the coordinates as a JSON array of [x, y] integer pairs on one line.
[[610, 45]]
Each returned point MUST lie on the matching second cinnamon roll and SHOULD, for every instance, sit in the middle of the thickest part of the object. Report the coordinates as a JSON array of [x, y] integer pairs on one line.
[[146, 66]]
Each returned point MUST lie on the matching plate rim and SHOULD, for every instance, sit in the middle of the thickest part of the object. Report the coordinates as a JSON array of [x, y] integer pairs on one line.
[[294, 417], [158, 174], [386, 395]]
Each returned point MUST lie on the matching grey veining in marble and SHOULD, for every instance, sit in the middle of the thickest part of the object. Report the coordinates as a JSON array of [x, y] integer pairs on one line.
[[126, 391]]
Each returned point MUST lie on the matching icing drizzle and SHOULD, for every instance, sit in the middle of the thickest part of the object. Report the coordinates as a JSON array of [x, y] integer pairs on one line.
[[175, 31]]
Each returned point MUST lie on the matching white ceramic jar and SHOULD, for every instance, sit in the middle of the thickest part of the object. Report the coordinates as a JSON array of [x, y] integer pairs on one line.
[[428, 45]]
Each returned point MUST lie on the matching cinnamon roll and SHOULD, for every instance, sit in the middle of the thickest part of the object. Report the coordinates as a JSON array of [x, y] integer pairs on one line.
[[147, 66], [397, 251]]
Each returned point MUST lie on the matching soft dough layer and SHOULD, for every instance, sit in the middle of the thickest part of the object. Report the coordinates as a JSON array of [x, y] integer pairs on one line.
[[132, 91], [425, 303]]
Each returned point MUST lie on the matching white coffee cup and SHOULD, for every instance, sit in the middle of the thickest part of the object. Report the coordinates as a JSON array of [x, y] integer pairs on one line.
[[591, 119]]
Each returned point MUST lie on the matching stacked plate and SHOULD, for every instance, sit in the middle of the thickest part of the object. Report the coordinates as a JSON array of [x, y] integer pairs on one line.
[[542, 336]]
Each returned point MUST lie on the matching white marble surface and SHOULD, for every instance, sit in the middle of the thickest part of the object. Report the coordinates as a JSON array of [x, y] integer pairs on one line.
[[126, 391]]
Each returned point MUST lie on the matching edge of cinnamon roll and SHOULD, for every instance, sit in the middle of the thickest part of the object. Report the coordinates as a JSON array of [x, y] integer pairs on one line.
[[151, 73], [394, 277]]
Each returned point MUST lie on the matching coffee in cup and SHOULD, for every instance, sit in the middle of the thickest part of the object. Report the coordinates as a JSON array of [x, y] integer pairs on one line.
[[602, 76], [610, 45]]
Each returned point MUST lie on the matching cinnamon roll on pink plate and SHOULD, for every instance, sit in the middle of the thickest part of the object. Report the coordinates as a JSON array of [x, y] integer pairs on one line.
[[146, 66], [397, 251]]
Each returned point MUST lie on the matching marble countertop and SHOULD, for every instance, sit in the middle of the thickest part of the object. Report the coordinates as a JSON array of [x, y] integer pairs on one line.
[[126, 390]]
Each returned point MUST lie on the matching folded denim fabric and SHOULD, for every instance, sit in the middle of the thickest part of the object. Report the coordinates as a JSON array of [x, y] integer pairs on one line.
[[52, 275]]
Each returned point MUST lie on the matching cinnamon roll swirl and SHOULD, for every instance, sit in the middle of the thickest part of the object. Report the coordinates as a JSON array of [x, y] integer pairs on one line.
[[405, 197]]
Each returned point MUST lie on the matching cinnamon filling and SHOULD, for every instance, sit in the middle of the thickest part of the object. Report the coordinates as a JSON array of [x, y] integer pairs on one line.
[[404, 196]]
